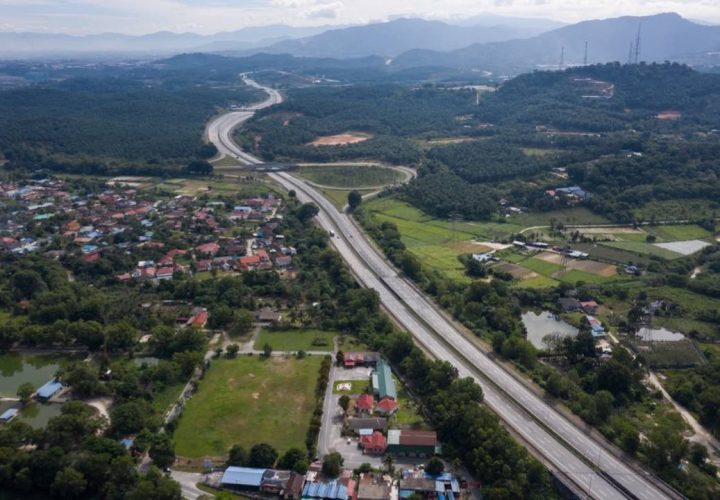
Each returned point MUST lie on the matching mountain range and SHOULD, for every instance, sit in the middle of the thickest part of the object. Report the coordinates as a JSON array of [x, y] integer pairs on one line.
[[662, 37]]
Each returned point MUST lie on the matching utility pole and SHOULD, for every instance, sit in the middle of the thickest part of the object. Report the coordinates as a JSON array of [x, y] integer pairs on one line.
[[585, 57]]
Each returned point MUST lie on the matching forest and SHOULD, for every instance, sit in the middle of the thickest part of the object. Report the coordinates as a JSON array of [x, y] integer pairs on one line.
[[112, 124]]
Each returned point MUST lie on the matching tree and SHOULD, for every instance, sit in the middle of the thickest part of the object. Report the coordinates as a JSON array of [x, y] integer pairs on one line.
[[340, 358], [243, 321], [120, 336], [25, 391], [307, 211], [68, 483], [232, 351], [292, 194], [262, 455], [267, 350], [603, 405], [332, 464], [199, 167], [354, 199], [84, 380], [344, 402], [237, 456], [293, 459], [388, 463], [162, 451], [435, 466]]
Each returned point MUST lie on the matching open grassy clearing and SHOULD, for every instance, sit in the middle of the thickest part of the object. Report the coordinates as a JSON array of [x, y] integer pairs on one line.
[[248, 401], [228, 186], [348, 343], [712, 351], [339, 197], [609, 254], [350, 176], [295, 340], [225, 161], [163, 399], [540, 152], [408, 414], [677, 210], [536, 282]]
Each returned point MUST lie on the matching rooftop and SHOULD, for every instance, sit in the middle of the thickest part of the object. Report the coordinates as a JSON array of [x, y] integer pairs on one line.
[[243, 476]]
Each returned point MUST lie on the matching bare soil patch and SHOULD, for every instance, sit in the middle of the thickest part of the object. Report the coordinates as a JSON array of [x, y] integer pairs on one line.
[[517, 272], [669, 115], [340, 139], [593, 267]]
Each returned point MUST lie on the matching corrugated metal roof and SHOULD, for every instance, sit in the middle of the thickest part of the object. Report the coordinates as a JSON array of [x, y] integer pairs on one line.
[[394, 436], [49, 389], [383, 381], [243, 476], [9, 414]]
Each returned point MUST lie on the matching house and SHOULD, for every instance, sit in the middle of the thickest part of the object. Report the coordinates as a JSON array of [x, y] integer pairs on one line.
[[569, 304], [199, 318], [589, 306], [374, 444], [242, 478], [164, 273], [268, 316], [249, 262], [283, 261], [203, 265], [352, 359], [416, 484], [387, 407], [596, 327], [382, 382], [374, 487], [208, 248], [412, 443], [485, 257], [49, 390], [364, 404], [294, 487], [372, 423], [274, 481]]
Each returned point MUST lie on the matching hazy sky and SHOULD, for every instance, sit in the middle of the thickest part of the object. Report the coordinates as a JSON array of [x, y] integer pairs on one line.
[[210, 16]]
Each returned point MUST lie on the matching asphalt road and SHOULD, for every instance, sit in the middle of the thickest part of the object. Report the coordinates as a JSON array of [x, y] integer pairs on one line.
[[584, 462]]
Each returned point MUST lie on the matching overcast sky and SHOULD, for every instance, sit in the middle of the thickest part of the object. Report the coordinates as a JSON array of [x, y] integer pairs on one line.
[[210, 16]]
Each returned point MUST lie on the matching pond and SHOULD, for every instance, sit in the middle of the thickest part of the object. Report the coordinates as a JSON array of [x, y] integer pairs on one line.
[[16, 369], [539, 326], [659, 335], [38, 414]]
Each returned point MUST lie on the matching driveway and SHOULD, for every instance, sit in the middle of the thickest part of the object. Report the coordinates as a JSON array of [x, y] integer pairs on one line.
[[187, 481]]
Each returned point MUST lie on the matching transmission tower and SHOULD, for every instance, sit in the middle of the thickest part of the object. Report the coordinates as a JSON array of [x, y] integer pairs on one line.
[[637, 45], [630, 54], [585, 57], [562, 57]]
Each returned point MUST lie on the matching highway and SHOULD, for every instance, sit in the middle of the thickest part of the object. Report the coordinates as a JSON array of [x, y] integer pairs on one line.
[[579, 460]]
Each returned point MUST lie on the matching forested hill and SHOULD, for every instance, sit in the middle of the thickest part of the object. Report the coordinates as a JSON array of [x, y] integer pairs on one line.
[[587, 120], [103, 121]]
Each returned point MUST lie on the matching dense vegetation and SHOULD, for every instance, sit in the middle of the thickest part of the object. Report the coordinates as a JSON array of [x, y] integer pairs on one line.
[[110, 125]]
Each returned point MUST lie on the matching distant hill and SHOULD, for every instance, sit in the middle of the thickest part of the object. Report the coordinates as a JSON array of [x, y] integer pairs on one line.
[[664, 37], [32, 44], [528, 26], [395, 37]]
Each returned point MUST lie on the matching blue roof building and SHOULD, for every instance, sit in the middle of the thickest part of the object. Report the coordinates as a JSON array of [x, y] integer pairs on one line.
[[9, 414], [243, 477], [49, 390], [332, 490]]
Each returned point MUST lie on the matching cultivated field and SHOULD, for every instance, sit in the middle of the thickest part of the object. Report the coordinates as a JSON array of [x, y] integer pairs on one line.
[[246, 401], [296, 340]]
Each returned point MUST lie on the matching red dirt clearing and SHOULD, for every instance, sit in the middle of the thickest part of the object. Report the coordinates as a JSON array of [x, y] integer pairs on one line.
[[669, 115], [339, 140]]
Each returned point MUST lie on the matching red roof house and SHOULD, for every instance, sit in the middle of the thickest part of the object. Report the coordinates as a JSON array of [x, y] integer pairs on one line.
[[199, 320], [208, 248], [364, 404], [249, 262], [375, 443], [387, 407]]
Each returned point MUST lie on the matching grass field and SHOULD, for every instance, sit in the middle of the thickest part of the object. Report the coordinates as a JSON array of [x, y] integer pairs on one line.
[[677, 210], [338, 197], [408, 414], [350, 176], [248, 401], [537, 282], [642, 248], [163, 399], [296, 340]]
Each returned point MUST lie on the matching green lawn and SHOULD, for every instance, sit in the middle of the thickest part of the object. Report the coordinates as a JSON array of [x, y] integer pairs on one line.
[[350, 176], [537, 282], [642, 248], [246, 401], [296, 340], [357, 386], [679, 233], [408, 414], [338, 197]]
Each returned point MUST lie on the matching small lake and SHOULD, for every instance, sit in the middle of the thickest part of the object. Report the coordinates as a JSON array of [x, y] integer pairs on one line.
[[16, 369], [539, 326], [146, 360], [38, 414], [659, 335]]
